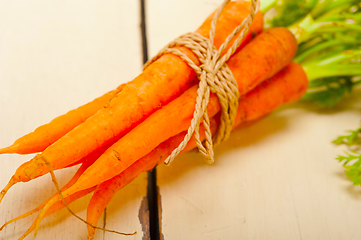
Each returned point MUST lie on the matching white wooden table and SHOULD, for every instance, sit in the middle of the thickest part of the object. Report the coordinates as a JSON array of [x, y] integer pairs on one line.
[[277, 179]]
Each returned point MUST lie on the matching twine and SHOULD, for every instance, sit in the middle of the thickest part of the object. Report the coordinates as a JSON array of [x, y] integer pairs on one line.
[[215, 77]]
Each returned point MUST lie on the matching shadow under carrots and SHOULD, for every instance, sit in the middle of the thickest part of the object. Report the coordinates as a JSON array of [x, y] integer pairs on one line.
[[354, 191], [351, 102], [241, 138], [347, 186]]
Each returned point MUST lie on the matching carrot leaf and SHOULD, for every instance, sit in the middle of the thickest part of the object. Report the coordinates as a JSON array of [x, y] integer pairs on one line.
[[352, 164], [354, 138], [299, 9], [351, 161]]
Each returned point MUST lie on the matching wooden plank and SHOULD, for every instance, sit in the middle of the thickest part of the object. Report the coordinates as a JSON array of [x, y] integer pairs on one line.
[[277, 179], [56, 56]]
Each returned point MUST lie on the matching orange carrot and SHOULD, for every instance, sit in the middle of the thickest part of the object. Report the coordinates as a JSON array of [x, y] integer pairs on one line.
[[135, 102], [47, 134], [236, 7], [285, 87], [176, 116]]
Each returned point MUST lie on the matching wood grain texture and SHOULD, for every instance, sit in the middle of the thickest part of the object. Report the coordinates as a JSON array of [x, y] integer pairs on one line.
[[277, 179], [56, 56]]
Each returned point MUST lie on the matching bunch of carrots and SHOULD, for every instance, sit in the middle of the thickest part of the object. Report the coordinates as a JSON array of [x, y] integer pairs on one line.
[[135, 127]]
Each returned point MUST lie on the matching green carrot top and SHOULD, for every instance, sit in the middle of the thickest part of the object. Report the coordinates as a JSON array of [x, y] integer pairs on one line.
[[329, 36]]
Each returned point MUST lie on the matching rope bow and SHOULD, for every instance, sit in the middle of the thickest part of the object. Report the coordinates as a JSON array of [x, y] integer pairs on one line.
[[215, 77]]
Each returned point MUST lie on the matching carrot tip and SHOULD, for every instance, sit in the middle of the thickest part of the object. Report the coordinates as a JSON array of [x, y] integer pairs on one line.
[[7, 187], [2, 227], [37, 224], [90, 237], [6, 150], [31, 228]]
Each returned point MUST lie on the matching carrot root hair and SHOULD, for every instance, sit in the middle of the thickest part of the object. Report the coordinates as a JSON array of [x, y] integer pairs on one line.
[[20, 217], [31, 228], [55, 199]]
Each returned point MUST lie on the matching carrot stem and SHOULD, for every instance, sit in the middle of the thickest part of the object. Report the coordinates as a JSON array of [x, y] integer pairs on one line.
[[316, 71]]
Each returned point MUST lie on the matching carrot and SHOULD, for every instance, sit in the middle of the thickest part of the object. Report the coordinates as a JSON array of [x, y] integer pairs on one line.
[[285, 87], [47, 134], [176, 116], [236, 7], [138, 99]]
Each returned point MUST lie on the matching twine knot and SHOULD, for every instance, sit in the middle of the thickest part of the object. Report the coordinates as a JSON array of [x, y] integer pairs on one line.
[[209, 70], [214, 76]]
